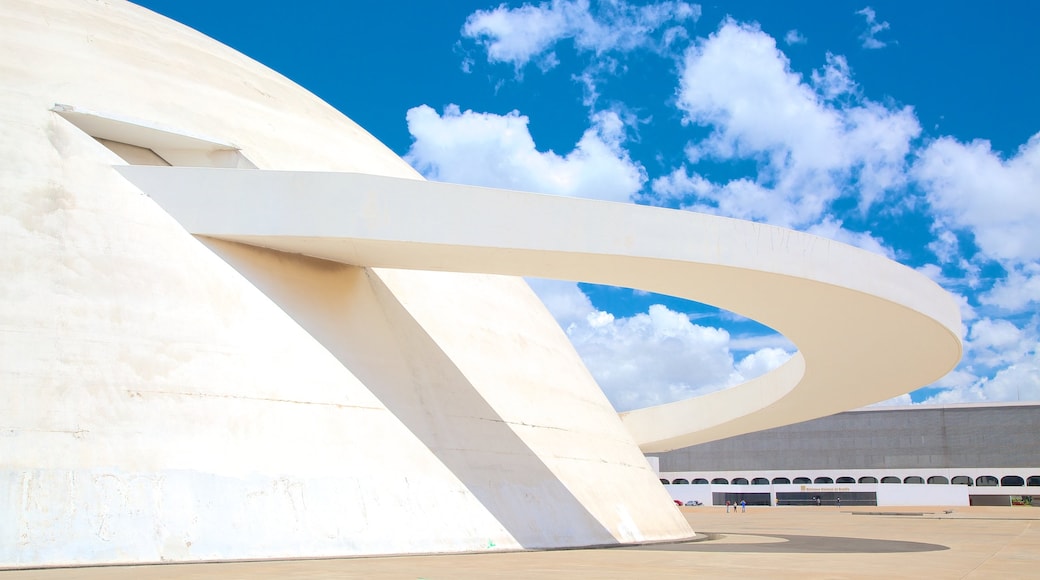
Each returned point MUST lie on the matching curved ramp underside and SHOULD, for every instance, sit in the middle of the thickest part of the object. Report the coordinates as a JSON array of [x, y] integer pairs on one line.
[[867, 328]]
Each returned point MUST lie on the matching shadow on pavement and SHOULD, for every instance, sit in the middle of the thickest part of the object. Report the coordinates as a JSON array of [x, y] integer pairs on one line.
[[795, 545]]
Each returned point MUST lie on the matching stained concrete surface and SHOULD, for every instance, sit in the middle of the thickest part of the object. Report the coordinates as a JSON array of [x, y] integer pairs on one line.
[[789, 542]]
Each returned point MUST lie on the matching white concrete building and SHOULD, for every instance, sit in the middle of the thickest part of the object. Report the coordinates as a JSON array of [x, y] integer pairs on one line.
[[233, 325], [953, 455]]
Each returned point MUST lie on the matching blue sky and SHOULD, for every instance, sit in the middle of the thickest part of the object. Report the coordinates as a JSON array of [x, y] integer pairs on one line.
[[906, 128]]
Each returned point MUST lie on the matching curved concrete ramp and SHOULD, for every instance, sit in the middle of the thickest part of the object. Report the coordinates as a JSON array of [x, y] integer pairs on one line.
[[867, 328]]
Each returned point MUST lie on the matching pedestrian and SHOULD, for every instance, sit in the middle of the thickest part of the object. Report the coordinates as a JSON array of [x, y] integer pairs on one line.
[[743, 506], [727, 506], [839, 502]]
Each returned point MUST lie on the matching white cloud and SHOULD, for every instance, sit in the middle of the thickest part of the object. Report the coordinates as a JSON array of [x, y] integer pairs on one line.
[[1019, 290], [945, 246], [835, 79], [1016, 382], [564, 299], [794, 37], [590, 79], [869, 36], [755, 342], [811, 149], [661, 356], [969, 186], [658, 356], [995, 343], [832, 229], [498, 151], [1001, 363], [680, 184], [761, 362], [900, 401], [520, 35]]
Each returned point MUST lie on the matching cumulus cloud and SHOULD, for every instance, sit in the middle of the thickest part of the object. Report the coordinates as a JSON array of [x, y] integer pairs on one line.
[[529, 33], [834, 79], [995, 343], [498, 151], [1001, 364], [814, 142], [759, 363], [971, 187], [869, 36], [1016, 382], [832, 228], [794, 37], [1017, 291], [654, 357]]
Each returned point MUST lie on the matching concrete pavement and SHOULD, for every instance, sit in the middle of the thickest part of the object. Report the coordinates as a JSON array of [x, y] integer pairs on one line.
[[804, 543]]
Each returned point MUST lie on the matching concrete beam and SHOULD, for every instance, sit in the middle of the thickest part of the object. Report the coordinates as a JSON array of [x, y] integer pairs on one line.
[[867, 328]]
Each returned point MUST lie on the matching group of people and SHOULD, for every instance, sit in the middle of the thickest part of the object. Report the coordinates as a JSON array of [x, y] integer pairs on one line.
[[743, 506]]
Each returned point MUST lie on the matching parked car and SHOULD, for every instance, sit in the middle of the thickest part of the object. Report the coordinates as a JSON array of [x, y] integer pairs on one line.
[[677, 502], [693, 502]]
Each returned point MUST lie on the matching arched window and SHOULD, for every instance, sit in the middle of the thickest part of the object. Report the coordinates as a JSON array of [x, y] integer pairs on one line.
[[1033, 480], [889, 479], [781, 481], [961, 480], [938, 479], [665, 481], [760, 481], [823, 480], [700, 481], [913, 479], [986, 480], [868, 479], [739, 481], [680, 481], [845, 479], [802, 480], [1012, 481], [720, 481]]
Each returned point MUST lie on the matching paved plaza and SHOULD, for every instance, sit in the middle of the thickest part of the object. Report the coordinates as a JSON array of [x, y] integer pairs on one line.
[[933, 543]]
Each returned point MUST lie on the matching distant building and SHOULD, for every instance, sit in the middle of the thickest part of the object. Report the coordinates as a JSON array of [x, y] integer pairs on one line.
[[978, 454]]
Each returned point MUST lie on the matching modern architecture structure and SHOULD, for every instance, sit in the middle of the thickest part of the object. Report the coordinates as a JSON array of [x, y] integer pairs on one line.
[[967, 454], [234, 325]]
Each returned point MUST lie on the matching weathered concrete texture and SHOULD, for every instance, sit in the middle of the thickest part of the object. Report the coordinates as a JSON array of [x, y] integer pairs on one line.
[[168, 398], [965, 436]]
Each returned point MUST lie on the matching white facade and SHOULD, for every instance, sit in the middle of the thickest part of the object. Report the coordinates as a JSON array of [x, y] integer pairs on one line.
[[180, 394], [895, 493]]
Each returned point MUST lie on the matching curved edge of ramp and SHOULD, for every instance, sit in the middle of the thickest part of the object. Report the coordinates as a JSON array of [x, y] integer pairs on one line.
[[867, 328]]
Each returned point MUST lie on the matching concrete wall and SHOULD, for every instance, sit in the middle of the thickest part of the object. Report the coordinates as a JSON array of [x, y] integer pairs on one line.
[[169, 398], [966, 436]]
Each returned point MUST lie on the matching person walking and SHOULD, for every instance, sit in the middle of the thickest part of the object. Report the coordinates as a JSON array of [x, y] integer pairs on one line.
[[727, 506], [743, 506], [838, 501]]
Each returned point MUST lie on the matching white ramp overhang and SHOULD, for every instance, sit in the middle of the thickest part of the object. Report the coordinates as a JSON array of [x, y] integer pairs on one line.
[[867, 328]]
